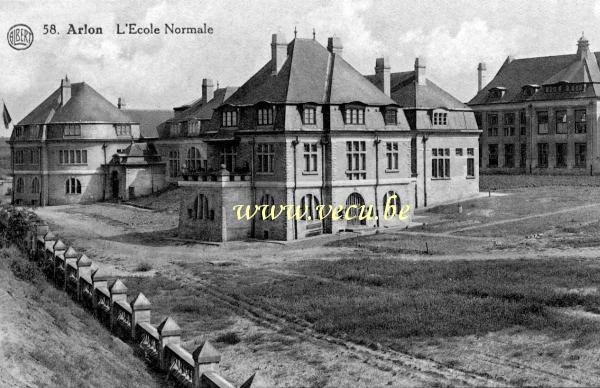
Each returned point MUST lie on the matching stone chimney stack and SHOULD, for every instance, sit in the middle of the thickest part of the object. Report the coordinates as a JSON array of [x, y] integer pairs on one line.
[[382, 72], [121, 103], [278, 52], [65, 90], [334, 45], [420, 66], [208, 90], [583, 47], [481, 68]]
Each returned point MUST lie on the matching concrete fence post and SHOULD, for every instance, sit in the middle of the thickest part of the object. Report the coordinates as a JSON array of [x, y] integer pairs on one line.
[[49, 240], [84, 268], [59, 248], [169, 332], [257, 381], [99, 279], [206, 358], [70, 256], [118, 291], [140, 312]]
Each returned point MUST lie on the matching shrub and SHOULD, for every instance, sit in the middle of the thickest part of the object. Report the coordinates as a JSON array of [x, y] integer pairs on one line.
[[143, 267], [229, 338], [24, 270]]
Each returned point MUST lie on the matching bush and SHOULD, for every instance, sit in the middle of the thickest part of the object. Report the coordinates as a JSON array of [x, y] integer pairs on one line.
[[229, 338], [143, 267], [24, 270]]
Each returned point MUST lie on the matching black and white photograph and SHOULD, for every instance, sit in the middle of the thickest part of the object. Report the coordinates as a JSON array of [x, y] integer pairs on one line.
[[319, 193]]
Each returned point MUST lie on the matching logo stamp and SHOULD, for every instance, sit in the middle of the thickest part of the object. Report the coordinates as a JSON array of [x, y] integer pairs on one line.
[[20, 37]]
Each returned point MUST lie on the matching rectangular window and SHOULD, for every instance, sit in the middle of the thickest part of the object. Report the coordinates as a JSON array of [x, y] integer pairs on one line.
[[523, 156], [492, 124], [509, 155], [580, 121], [542, 119], [440, 163], [229, 119], [123, 129], [470, 151], [72, 130], [72, 157], [309, 116], [228, 157], [459, 152], [580, 154], [561, 155], [264, 116], [174, 164], [522, 123], [391, 117], [542, 155], [391, 153], [470, 167], [356, 156], [19, 157], [440, 118], [265, 155], [492, 155], [509, 124], [561, 121], [355, 116], [310, 157]]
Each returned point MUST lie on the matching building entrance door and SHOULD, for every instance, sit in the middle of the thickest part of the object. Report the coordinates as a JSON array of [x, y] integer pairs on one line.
[[115, 184]]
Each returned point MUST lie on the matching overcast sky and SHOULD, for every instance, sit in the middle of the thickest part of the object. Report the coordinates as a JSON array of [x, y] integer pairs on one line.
[[161, 71]]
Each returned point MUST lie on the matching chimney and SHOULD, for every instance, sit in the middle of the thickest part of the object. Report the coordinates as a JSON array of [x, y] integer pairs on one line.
[[481, 75], [334, 45], [208, 91], [121, 103], [65, 90], [583, 47], [278, 52], [382, 72], [420, 71]]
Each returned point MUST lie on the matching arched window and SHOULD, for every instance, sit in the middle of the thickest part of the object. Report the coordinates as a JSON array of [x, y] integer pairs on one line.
[[394, 199], [308, 207], [268, 200], [35, 186], [201, 210], [19, 188], [194, 160], [73, 186]]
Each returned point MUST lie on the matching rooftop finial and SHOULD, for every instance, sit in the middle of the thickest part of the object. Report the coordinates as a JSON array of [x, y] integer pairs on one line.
[[295, 32], [314, 34]]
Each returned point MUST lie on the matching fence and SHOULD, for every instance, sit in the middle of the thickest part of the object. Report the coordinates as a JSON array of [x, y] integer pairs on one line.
[[75, 273]]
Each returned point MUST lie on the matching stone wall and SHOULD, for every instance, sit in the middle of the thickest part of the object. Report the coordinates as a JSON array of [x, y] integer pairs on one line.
[[106, 298]]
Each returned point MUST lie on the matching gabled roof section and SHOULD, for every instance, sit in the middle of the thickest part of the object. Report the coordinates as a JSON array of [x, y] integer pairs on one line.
[[85, 105], [515, 74], [310, 73], [149, 120], [201, 111], [407, 93]]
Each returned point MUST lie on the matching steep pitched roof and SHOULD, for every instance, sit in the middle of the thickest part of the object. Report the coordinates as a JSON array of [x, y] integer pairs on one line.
[[85, 105], [516, 73], [409, 94], [149, 120], [310, 73], [205, 111]]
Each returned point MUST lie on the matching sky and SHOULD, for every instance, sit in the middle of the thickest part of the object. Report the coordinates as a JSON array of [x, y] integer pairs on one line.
[[162, 71]]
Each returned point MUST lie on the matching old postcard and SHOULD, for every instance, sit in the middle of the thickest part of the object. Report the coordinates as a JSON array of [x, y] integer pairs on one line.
[[322, 193]]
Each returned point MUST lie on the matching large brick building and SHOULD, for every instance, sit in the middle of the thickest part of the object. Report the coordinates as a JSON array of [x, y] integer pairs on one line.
[[540, 115], [62, 149]]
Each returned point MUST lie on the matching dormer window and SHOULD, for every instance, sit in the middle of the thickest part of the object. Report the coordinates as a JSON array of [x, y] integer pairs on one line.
[[194, 127], [390, 115], [264, 116], [497, 92], [72, 130], [529, 90], [440, 118], [123, 129], [309, 115], [355, 115], [229, 119], [18, 132]]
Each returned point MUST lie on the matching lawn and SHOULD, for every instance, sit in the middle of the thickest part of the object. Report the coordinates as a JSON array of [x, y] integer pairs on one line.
[[393, 301]]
